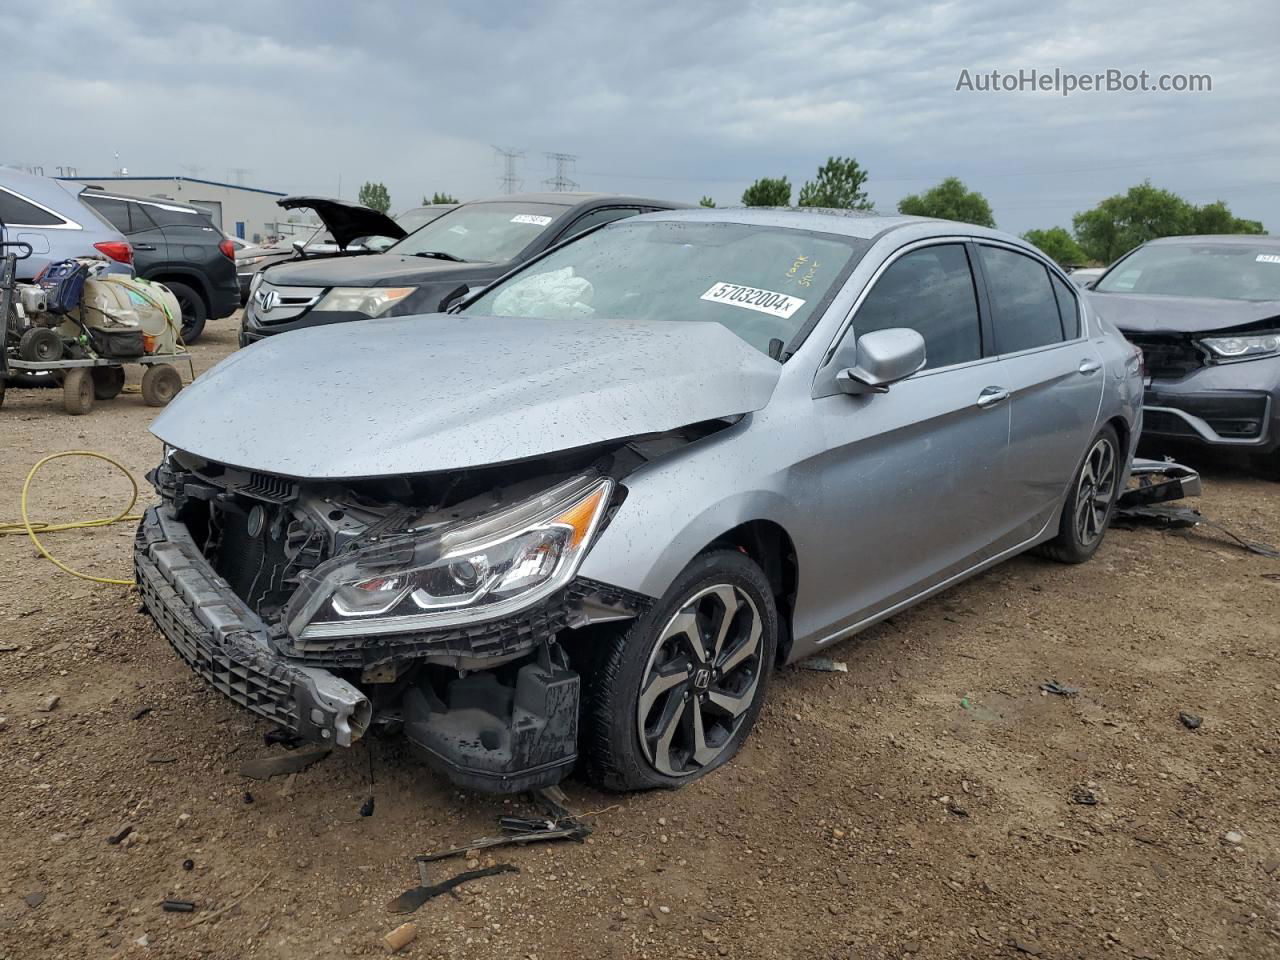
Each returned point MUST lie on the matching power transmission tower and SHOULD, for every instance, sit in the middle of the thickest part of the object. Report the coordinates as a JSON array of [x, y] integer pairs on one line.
[[510, 182], [240, 172], [192, 168], [561, 182]]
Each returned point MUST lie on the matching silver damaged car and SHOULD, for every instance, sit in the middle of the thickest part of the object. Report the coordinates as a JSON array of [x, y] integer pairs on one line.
[[584, 517]]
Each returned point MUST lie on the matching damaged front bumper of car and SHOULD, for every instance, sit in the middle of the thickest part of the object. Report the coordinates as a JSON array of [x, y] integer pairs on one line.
[[328, 609]]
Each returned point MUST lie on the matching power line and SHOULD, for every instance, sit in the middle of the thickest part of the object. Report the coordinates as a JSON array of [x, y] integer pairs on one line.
[[561, 182], [509, 180]]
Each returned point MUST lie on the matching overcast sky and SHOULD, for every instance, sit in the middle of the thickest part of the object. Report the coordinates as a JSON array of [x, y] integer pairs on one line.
[[668, 100]]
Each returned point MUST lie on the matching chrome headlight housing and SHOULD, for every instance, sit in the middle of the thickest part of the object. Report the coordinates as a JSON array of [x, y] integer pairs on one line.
[[482, 569], [256, 281], [1246, 346], [371, 301]]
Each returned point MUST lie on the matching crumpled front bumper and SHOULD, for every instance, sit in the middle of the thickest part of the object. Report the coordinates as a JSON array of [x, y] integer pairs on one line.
[[228, 645]]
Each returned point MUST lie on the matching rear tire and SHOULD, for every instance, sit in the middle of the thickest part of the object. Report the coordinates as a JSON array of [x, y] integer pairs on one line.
[[107, 382], [77, 391], [194, 312], [675, 694], [40, 345], [1089, 505], [160, 384]]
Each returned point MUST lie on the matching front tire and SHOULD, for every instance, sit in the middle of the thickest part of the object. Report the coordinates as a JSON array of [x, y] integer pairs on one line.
[[674, 695], [1089, 505]]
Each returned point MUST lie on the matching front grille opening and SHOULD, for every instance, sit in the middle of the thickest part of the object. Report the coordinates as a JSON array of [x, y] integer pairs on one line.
[[1168, 357]]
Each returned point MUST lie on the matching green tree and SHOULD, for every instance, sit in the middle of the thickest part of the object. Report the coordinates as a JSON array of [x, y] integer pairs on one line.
[[768, 192], [1058, 243], [1216, 218], [706, 202], [374, 196], [438, 197], [1122, 222], [949, 200], [838, 185]]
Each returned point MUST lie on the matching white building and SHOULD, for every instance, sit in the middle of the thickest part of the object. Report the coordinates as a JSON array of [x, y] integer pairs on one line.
[[247, 212]]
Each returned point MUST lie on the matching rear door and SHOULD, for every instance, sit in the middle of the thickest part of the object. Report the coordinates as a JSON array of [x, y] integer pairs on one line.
[[911, 478], [1053, 374], [147, 239]]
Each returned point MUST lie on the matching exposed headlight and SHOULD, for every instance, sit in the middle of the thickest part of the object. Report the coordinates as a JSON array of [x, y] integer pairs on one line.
[[250, 261], [371, 301], [1244, 347], [483, 569]]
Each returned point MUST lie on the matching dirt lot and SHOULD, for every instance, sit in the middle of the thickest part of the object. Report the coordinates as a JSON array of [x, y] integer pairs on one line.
[[919, 806]]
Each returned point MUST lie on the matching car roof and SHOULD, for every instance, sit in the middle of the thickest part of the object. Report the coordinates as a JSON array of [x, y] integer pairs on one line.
[[851, 223], [1220, 238], [577, 198], [154, 201], [44, 190]]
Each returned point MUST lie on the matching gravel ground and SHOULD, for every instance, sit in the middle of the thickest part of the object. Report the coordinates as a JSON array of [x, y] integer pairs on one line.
[[925, 804]]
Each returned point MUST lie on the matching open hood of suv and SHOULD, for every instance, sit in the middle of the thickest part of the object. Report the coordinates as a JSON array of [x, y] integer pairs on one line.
[[419, 394], [346, 222]]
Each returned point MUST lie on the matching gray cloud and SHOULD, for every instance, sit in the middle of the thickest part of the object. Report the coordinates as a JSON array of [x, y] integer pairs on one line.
[[672, 100]]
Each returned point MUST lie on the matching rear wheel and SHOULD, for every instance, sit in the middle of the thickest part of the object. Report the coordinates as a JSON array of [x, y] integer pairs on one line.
[[1087, 512], [40, 345], [107, 382], [676, 694], [77, 391], [160, 384], [193, 309]]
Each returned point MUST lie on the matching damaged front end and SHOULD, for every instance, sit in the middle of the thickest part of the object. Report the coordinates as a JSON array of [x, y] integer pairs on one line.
[[429, 604]]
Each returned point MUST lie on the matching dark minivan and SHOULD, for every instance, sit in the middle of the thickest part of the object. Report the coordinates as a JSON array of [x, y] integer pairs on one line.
[[176, 244], [435, 266]]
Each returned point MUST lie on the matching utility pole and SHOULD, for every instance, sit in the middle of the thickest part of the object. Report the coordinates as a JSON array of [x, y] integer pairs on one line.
[[561, 182], [510, 182]]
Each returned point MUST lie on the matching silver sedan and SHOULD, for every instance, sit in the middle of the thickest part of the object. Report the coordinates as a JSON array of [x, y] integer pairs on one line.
[[591, 511]]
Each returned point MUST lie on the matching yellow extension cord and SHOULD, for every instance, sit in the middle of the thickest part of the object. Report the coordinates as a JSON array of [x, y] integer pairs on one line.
[[30, 529]]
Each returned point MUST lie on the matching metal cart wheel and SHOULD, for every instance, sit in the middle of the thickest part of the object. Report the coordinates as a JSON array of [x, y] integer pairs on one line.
[[107, 382], [77, 391], [160, 384]]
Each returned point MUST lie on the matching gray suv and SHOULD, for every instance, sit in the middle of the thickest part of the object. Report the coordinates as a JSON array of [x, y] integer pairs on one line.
[[51, 216]]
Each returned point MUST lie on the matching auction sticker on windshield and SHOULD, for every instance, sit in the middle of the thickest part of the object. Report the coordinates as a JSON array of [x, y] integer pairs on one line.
[[753, 298], [531, 218]]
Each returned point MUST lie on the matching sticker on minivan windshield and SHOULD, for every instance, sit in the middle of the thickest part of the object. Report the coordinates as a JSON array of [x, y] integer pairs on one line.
[[1267, 258], [531, 218], [753, 298]]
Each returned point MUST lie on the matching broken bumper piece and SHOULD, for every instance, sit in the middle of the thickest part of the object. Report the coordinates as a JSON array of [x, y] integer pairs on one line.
[[1158, 481], [495, 737], [228, 645]]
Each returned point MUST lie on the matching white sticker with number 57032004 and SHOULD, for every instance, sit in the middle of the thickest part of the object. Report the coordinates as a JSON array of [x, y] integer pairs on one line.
[[753, 298]]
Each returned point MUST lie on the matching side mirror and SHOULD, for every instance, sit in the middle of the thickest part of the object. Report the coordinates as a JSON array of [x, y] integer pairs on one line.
[[881, 357]]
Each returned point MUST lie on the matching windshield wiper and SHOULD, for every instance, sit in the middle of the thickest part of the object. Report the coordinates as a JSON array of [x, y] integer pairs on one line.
[[439, 255]]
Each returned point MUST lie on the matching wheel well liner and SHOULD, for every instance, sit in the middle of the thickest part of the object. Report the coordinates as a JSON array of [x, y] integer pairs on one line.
[[770, 546]]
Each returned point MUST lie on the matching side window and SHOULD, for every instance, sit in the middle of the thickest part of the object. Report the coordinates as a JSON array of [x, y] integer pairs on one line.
[[931, 291], [169, 217], [116, 211], [1024, 310], [17, 212], [596, 217], [1068, 309]]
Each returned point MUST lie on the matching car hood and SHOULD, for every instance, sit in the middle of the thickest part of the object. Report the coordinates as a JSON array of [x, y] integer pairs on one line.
[[418, 394], [1139, 313], [346, 221], [370, 270]]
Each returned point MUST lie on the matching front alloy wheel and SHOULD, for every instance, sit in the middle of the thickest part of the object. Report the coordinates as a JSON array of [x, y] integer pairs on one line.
[[700, 680], [674, 694]]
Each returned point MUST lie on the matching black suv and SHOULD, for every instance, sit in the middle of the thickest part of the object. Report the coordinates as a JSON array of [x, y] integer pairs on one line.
[[177, 245], [436, 265]]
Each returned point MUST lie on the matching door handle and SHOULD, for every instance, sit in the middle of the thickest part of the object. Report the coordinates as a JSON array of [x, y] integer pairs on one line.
[[1089, 366], [991, 396], [144, 246]]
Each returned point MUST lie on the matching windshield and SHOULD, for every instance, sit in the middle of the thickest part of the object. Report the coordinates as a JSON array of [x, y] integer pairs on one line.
[[484, 232], [763, 283], [1227, 271], [411, 220]]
